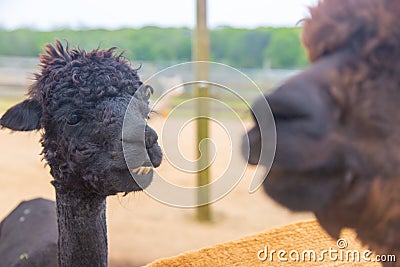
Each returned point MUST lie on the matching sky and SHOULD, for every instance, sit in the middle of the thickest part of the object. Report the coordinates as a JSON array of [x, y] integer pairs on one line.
[[113, 14]]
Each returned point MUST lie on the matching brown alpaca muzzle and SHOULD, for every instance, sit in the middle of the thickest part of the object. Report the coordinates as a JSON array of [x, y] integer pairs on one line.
[[307, 170]]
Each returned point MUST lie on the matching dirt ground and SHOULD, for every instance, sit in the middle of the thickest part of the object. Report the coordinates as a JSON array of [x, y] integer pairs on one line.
[[142, 229]]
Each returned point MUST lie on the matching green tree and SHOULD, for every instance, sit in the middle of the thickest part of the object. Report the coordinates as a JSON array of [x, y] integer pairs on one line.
[[285, 50], [243, 48]]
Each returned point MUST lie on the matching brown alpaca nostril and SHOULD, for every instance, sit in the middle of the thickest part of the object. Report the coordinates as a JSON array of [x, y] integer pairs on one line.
[[253, 151], [288, 116], [286, 107]]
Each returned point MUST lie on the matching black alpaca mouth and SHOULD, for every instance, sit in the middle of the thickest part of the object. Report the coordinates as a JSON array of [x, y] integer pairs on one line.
[[143, 174], [146, 168], [142, 170]]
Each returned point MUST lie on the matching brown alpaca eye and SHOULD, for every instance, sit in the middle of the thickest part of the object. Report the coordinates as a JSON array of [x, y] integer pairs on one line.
[[73, 119]]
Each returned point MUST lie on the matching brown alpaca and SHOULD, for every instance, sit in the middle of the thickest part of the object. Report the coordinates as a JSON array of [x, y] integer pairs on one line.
[[338, 140]]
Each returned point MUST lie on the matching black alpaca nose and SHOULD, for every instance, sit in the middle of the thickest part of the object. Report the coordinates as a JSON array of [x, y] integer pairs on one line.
[[150, 137], [152, 147]]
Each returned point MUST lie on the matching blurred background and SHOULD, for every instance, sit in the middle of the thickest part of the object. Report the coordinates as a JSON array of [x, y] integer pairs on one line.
[[259, 38]]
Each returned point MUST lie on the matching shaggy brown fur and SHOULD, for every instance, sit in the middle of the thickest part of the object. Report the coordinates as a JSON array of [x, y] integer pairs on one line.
[[369, 27], [338, 141]]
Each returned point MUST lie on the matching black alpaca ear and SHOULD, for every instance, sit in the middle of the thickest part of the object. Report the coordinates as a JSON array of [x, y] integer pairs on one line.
[[24, 116]]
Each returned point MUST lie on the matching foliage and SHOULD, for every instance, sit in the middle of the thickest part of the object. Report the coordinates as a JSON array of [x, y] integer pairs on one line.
[[244, 48], [284, 49]]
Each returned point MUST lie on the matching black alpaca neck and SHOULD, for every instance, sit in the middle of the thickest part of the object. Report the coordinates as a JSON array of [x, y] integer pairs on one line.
[[82, 229]]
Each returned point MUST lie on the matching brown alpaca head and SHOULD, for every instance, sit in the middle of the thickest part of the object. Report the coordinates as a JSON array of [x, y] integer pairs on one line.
[[79, 99], [338, 140]]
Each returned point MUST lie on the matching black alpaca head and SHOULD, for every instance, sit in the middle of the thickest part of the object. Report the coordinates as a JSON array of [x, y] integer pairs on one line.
[[79, 99]]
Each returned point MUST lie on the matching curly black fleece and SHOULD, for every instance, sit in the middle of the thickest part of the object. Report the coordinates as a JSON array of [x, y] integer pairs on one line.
[[80, 75], [93, 88]]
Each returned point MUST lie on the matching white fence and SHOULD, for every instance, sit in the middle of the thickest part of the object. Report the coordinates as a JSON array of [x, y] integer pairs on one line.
[[16, 75]]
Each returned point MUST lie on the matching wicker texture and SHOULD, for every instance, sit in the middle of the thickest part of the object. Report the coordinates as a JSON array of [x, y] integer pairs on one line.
[[299, 237]]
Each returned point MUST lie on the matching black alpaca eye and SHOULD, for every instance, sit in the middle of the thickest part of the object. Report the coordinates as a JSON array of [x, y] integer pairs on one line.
[[73, 119]]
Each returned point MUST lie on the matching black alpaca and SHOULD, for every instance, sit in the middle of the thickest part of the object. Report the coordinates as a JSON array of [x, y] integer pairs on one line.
[[79, 100]]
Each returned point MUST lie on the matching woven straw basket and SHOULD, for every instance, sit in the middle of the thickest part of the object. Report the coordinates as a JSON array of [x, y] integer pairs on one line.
[[297, 240]]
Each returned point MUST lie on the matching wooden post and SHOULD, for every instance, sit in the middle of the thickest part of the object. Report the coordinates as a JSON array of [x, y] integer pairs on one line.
[[201, 52]]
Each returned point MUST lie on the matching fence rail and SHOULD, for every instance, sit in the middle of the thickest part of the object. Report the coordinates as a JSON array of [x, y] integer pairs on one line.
[[16, 75]]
